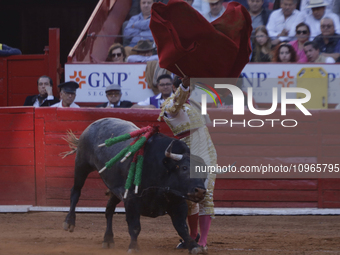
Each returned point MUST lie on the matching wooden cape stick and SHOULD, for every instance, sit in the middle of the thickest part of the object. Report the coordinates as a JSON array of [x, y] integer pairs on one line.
[[180, 70]]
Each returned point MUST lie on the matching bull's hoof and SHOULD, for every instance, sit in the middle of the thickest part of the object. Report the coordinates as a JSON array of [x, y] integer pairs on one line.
[[107, 245], [68, 227]]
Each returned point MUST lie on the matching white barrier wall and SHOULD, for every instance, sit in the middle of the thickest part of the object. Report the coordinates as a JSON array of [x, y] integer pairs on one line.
[[263, 77], [93, 78]]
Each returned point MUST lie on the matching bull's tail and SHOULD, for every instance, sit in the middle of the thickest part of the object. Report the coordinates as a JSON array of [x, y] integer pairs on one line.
[[72, 141]]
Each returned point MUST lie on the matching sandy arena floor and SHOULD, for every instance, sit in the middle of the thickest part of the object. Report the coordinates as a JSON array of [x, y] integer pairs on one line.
[[41, 233]]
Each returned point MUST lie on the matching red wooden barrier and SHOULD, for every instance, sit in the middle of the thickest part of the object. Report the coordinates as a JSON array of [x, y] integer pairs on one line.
[[17, 182], [33, 172], [19, 74]]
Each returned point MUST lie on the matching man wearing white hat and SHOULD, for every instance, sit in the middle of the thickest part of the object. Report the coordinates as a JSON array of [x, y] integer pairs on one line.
[[318, 12], [216, 10], [307, 10]]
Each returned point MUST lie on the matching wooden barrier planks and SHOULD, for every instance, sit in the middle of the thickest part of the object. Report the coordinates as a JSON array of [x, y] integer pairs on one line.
[[17, 182], [266, 193], [34, 173]]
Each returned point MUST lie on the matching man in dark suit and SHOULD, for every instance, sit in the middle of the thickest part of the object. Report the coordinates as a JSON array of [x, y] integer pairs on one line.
[[45, 97], [113, 94]]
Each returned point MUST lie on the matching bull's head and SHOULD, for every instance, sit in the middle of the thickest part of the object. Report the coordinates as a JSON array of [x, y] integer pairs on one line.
[[179, 168]]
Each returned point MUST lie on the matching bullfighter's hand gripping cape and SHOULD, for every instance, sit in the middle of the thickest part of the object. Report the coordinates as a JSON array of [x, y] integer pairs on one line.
[[199, 48]]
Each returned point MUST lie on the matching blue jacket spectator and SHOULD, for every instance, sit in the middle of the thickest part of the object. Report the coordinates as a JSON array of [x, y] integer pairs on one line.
[[138, 26], [8, 51], [328, 40]]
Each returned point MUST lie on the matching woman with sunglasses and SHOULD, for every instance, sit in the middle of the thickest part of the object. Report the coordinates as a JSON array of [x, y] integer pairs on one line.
[[302, 34], [116, 53]]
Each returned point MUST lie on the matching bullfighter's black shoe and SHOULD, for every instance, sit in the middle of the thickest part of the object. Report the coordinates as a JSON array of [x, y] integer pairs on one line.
[[182, 245]]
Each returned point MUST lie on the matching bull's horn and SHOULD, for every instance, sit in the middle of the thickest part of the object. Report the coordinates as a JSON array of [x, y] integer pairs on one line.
[[171, 155]]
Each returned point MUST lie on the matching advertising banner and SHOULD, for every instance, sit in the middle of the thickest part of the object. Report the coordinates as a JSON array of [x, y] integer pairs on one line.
[[263, 77], [93, 78]]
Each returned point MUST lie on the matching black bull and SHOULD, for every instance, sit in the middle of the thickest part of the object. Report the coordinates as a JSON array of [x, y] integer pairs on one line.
[[166, 182]]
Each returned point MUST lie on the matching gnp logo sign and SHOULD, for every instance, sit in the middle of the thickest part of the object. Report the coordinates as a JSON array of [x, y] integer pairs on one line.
[[94, 78], [239, 104], [78, 77], [255, 79]]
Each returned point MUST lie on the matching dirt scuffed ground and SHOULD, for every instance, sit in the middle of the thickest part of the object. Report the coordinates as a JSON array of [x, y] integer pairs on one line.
[[41, 233]]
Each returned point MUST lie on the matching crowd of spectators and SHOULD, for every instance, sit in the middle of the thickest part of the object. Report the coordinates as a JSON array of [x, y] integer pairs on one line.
[[284, 31], [279, 21], [296, 23]]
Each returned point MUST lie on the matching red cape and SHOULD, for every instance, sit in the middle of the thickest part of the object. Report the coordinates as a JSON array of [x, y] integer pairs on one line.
[[201, 49]]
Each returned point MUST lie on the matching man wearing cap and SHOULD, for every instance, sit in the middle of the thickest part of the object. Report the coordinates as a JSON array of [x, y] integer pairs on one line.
[[45, 97], [67, 94], [318, 12], [144, 50], [113, 94], [165, 86], [216, 10]]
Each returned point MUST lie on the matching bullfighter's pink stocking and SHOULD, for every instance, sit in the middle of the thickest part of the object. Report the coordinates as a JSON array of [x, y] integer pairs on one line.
[[204, 221]]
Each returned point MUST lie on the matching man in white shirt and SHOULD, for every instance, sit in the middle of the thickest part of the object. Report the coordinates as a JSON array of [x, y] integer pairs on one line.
[[280, 23], [318, 12], [216, 10], [67, 94]]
